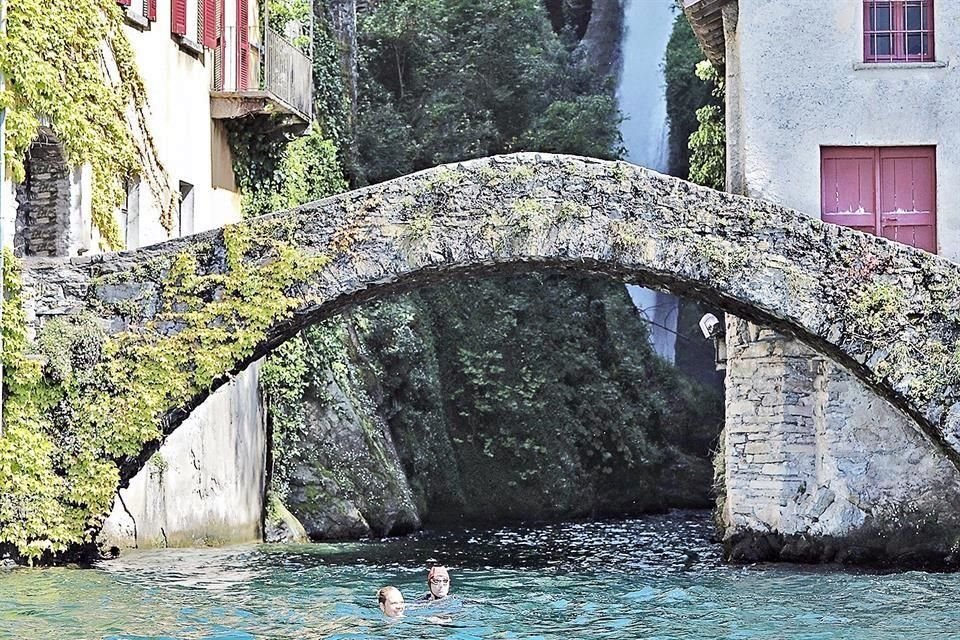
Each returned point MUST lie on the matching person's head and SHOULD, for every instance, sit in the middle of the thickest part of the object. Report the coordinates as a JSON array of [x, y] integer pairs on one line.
[[391, 602], [438, 579]]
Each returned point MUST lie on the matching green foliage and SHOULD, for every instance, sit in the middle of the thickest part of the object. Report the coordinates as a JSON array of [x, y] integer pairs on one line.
[[307, 170], [284, 381], [52, 55], [33, 519], [581, 126], [880, 308], [332, 102], [708, 148], [287, 16], [526, 403], [77, 423], [447, 80], [71, 346], [708, 143], [685, 93]]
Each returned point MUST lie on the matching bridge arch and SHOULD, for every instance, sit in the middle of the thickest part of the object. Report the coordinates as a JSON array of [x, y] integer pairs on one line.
[[180, 317]]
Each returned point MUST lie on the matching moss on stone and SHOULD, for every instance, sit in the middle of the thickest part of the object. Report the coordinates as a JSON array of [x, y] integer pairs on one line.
[[879, 308]]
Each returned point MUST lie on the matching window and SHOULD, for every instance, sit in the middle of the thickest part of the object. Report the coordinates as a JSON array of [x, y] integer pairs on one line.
[[886, 191], [194, 21], [185, 210], [130, 213], [898, 31]]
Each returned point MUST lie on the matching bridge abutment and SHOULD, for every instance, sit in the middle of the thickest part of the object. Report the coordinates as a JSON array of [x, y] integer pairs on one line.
[[206, 483], [818, 468]]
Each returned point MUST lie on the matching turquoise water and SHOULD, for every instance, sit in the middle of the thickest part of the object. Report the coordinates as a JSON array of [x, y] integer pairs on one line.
[[655, 577]]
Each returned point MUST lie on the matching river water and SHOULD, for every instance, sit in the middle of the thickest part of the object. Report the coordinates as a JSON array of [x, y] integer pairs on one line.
[[653, 577]]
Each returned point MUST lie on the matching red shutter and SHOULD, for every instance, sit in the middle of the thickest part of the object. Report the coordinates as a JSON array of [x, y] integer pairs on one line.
[[908, 185], [123, 3], [151, 10], [178, 17], [243, 46], [209, 23], [848, 187]]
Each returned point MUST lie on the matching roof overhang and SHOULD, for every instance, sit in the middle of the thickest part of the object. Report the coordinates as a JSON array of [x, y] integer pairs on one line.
[[706, 18]]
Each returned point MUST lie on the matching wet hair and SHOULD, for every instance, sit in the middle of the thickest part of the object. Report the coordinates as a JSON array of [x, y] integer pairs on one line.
[[382, 593]]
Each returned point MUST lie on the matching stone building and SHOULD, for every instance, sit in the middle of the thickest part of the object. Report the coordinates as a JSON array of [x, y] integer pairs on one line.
[[845, 110], [208, 66]]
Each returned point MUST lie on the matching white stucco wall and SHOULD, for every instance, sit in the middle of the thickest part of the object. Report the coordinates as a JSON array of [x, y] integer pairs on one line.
[[206, 484], [178, 93], [804, 85]]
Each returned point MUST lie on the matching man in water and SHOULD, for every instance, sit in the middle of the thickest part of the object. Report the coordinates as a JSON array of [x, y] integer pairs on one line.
[[391, 602], [438, 582]]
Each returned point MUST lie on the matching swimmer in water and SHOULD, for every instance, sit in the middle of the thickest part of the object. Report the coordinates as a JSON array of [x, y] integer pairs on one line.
[[391, 602], [438, 583]]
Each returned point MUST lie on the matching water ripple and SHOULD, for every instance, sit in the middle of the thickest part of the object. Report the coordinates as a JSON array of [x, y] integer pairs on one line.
[[655, 577]]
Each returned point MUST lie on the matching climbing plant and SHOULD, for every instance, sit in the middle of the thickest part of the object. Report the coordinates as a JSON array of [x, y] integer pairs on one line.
[[68, 66], [83, 404], [708, 143], [685, 92]]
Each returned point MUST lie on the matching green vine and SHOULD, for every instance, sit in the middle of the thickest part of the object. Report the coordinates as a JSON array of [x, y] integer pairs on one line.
[[82, 404], [54, 56]]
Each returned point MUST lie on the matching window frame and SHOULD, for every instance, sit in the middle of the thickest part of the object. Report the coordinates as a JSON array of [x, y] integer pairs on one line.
[[899, 33]]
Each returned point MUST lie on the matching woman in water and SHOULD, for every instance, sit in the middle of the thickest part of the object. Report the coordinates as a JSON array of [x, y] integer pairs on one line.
[[438, 583]]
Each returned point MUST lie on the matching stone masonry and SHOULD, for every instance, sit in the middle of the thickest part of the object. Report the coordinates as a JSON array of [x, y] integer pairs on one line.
[[43, 200], [888, 313], [818, 468]]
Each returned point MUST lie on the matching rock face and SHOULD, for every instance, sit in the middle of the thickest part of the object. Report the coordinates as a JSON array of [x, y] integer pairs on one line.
[[600, 46], [499, 412], [335, 467], [281, 526]]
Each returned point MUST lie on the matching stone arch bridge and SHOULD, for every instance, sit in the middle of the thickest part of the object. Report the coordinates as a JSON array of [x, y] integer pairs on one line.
[[180, 317]]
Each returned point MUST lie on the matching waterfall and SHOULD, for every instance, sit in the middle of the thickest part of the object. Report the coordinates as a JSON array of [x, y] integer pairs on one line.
[[640, 93]]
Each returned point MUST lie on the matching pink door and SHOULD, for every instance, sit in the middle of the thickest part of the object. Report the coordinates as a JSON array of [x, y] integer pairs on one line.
[[907, 196], [848, 187], [888, 191]]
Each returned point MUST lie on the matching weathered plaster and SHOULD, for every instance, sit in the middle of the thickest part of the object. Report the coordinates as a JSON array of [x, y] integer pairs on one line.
[[205, 486], [803, 85], [188, 142]]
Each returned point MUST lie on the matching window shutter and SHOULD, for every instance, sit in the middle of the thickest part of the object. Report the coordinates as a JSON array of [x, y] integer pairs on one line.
[[209, 23], [243, 46], [178, 17], [151, 10], [848, 187], [908, 184]]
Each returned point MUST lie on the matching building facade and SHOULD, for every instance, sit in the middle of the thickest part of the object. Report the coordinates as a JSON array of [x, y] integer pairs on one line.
[[845, 110], [207, 66]]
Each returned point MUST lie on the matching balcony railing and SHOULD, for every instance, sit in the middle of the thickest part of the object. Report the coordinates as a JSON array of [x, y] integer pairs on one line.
[[286, 80], [287, 73]]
